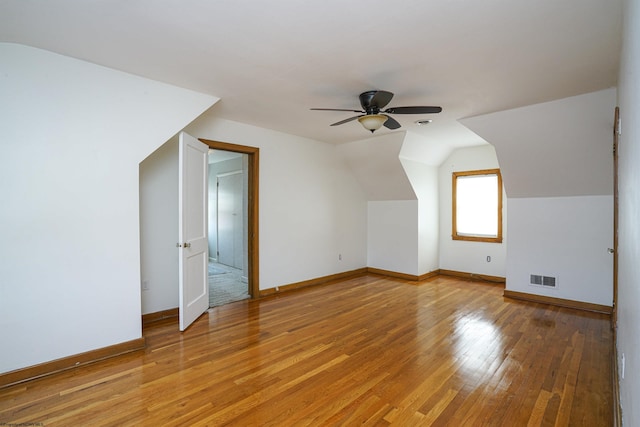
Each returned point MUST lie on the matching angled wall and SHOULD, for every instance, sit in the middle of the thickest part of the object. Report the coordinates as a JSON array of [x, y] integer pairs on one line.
[[401, 185], [376, 165], [73, 134], [557, 170], [392, 207], [420, 164], [554, 149]]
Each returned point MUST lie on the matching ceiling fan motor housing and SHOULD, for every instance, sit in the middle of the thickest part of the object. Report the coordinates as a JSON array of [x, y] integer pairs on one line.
[[373, 100]]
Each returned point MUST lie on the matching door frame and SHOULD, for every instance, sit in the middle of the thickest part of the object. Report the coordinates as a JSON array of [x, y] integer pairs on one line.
[[252, 208], [616, 142]]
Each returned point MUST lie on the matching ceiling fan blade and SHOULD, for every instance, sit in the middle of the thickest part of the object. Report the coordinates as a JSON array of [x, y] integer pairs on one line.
[[413, 110], [336, 109], [346, 120], [391, 123], [375, 99]]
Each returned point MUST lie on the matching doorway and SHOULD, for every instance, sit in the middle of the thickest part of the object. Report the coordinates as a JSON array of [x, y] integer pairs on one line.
[[228, 227], [233, 222]]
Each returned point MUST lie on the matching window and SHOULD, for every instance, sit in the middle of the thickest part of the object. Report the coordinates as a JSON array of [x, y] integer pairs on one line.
[[477, 206]]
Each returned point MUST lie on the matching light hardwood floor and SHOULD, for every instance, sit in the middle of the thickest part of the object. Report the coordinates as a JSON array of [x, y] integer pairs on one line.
[[368, 350]]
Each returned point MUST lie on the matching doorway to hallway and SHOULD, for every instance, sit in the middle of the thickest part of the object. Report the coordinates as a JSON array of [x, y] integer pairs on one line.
[[228, 227], [232, 222]]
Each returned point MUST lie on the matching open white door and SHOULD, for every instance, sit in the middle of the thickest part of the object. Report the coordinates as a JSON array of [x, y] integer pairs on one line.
[[193, 247]]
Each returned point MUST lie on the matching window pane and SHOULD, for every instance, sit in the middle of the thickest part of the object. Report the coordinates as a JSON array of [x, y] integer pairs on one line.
[[476, 205]]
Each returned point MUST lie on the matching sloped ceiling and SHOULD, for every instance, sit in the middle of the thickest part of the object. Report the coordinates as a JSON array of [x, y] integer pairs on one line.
[[270, 61], [376, 165], [558, 148]]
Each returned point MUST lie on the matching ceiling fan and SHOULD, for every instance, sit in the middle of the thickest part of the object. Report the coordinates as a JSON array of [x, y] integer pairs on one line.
[[374, 117]]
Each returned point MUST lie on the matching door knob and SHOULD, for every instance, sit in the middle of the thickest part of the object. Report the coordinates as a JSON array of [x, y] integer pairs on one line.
[[183, 245], [610, 250]]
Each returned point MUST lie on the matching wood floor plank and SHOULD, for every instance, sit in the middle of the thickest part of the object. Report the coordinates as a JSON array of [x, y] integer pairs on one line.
[[367, 351]]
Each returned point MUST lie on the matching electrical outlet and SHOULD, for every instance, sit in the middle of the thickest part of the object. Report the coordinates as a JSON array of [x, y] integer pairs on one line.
[[145, 285], [488, 258], [339, 257]]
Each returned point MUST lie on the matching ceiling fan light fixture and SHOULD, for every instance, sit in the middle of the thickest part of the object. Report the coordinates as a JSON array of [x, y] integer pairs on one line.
[[372, 122]]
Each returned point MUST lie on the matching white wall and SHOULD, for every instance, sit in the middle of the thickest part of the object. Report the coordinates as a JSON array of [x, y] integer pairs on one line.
[[392, 210], [393, 236], [73, 134], [418, 162], [428, 232], [311, 207], [465, 256], [424, 180], [562, 237], [159, 228], [401, 187], [629, 216], [549, 152]]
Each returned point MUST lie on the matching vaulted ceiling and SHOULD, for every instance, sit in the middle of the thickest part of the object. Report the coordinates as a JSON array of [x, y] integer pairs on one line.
[[271, 61]]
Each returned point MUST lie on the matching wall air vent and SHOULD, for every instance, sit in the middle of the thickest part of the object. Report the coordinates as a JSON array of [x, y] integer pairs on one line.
[[543, 281]]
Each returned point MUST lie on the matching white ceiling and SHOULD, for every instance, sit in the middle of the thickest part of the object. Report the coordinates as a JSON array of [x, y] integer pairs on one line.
[[270, 61]]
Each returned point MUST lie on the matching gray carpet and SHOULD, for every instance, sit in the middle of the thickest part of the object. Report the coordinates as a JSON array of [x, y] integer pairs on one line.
[[215, 269], [225, 285]]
